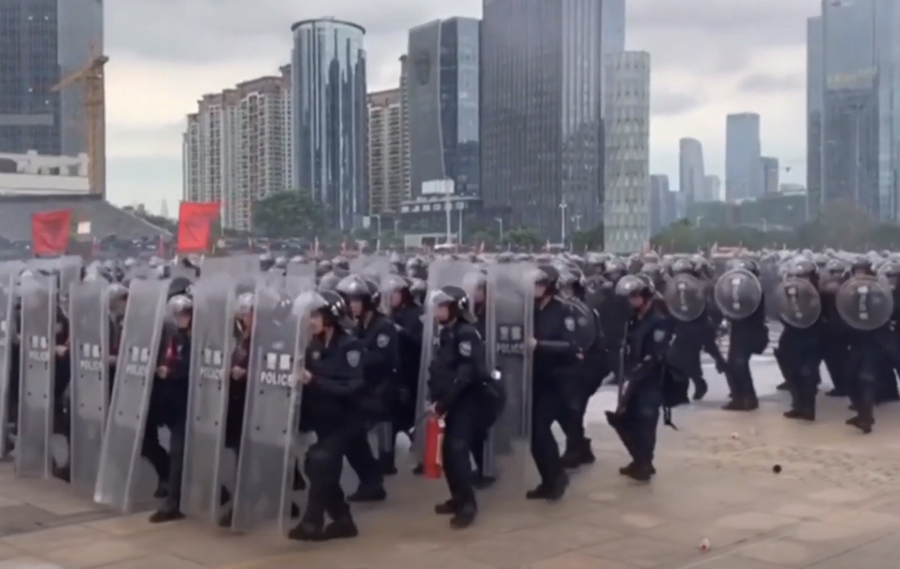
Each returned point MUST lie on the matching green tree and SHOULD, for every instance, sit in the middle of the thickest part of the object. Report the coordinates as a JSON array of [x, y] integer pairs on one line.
[[289, 214], [591, 239], [522, 238]]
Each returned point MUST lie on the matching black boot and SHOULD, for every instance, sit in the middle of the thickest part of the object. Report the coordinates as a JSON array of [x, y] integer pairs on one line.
[[464, 516], [552, 491], [306, 531], [447, 508], [641, 472], [166, 514], [343, 528], [800, 414], [480, 481], [387, 463], [162, 490], [368, 493], [859, 423], [578, 454], [701, 388]]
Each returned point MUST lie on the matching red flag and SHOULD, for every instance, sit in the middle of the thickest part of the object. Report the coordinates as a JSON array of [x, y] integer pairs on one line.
[[194, 226], [50, 232]]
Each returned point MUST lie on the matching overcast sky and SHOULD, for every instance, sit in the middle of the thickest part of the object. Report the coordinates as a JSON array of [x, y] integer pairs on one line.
[[709, 58]]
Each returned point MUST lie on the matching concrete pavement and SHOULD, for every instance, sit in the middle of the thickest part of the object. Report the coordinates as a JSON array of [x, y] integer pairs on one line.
[[835, 505]]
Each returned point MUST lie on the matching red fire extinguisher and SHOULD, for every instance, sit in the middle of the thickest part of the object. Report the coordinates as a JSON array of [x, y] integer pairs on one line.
[[434, 439]]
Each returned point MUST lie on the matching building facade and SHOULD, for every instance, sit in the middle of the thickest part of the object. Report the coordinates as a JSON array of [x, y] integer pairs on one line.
[[815, 93], [542, 128], [861, 93], [386, 152], [661, 205], [443, 92], [627, 203], [691, 172], [237, 147], [41, 42], [712, 191], [770, 174], [743, 176], [329, 115]]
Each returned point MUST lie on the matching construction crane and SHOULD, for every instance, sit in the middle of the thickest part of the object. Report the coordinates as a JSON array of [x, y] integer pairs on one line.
[[91, 78]]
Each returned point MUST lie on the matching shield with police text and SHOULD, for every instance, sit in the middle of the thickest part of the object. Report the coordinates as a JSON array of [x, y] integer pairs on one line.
[[509, 327], [9, 329], [738, 293], [204, 442], [865, 303], [38, 357], [89, 325], [797, 302], [263, 484], [139, 349], [686, 296], [440, 274]]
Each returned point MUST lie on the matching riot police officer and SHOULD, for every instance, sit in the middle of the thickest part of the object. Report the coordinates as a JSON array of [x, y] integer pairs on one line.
[[476, 283], [644, 375], [461, 391], [168, 407], [380, 360], [334, 406], [800, 348], [555, 382], [748, 336]]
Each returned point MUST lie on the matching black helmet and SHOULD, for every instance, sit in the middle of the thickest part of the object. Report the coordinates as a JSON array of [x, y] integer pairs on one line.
[[457, 299]]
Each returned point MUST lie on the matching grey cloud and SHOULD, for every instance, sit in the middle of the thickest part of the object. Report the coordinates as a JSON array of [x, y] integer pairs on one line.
[[765, 83], [663, 103]]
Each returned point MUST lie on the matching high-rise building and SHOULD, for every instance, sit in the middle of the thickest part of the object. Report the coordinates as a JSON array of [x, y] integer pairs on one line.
[[712, 188], [386, 159], [237, 147], [542, 140], [443, 88], [329, 117], [861, 102], [770, 171], [691, 173], [41, 42], [626, 207], [815, 93], [662, 204], [743, 177], [404, 122]]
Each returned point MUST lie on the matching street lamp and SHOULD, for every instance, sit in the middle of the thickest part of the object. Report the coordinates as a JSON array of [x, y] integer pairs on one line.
[[563, 206], [577, 219], [500, 221], [378, 231]]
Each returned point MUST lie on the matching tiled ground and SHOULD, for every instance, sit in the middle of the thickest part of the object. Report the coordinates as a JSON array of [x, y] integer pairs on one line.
[[836, 505]]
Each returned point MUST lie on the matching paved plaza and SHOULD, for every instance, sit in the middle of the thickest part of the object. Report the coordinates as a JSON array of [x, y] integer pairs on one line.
[[835, 505]]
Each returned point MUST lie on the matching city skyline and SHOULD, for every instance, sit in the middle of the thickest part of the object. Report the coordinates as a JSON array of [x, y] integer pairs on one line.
[[694, 86]]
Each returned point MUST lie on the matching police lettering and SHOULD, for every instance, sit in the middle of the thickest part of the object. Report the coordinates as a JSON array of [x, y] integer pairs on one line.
[[137, 370], [511, 348], [211, 373], [280, 379], [42, 356], [90, 365]]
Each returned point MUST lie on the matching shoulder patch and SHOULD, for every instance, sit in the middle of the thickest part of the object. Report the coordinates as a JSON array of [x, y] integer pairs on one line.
[[582, 321], [465, 349], [382, 341], [659, 335], [353, 357], [570, 323]]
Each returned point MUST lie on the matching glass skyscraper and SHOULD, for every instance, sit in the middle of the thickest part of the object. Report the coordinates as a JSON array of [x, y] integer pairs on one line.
[[443, 90], [542, 129], [330, 114], [42, 41]]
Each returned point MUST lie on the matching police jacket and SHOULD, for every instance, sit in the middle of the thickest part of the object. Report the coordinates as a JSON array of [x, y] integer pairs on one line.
[[557, 350], [380, 358], [458, 366], [337, 380], [240, 357], [645, 348], [408, 322]]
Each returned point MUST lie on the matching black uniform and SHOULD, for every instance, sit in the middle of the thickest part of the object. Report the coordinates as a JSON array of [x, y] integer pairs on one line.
[[333, 408], [458, 374], [556, 388]]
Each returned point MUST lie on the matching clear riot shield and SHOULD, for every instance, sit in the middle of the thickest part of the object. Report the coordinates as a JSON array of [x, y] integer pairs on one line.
[[378, 270], [865, 303], [212, 334], [123, 434], [509, 325], [261, 489], [89, 324], [34, 456], [8, 331], [797, 302], [303, 270], [686, 296], [738, 294], [441, 273]]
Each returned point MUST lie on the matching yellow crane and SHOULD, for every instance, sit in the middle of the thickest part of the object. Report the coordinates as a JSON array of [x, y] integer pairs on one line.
[[91, 78]]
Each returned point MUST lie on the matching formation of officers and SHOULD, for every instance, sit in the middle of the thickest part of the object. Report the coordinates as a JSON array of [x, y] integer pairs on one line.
[[596, 318]]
